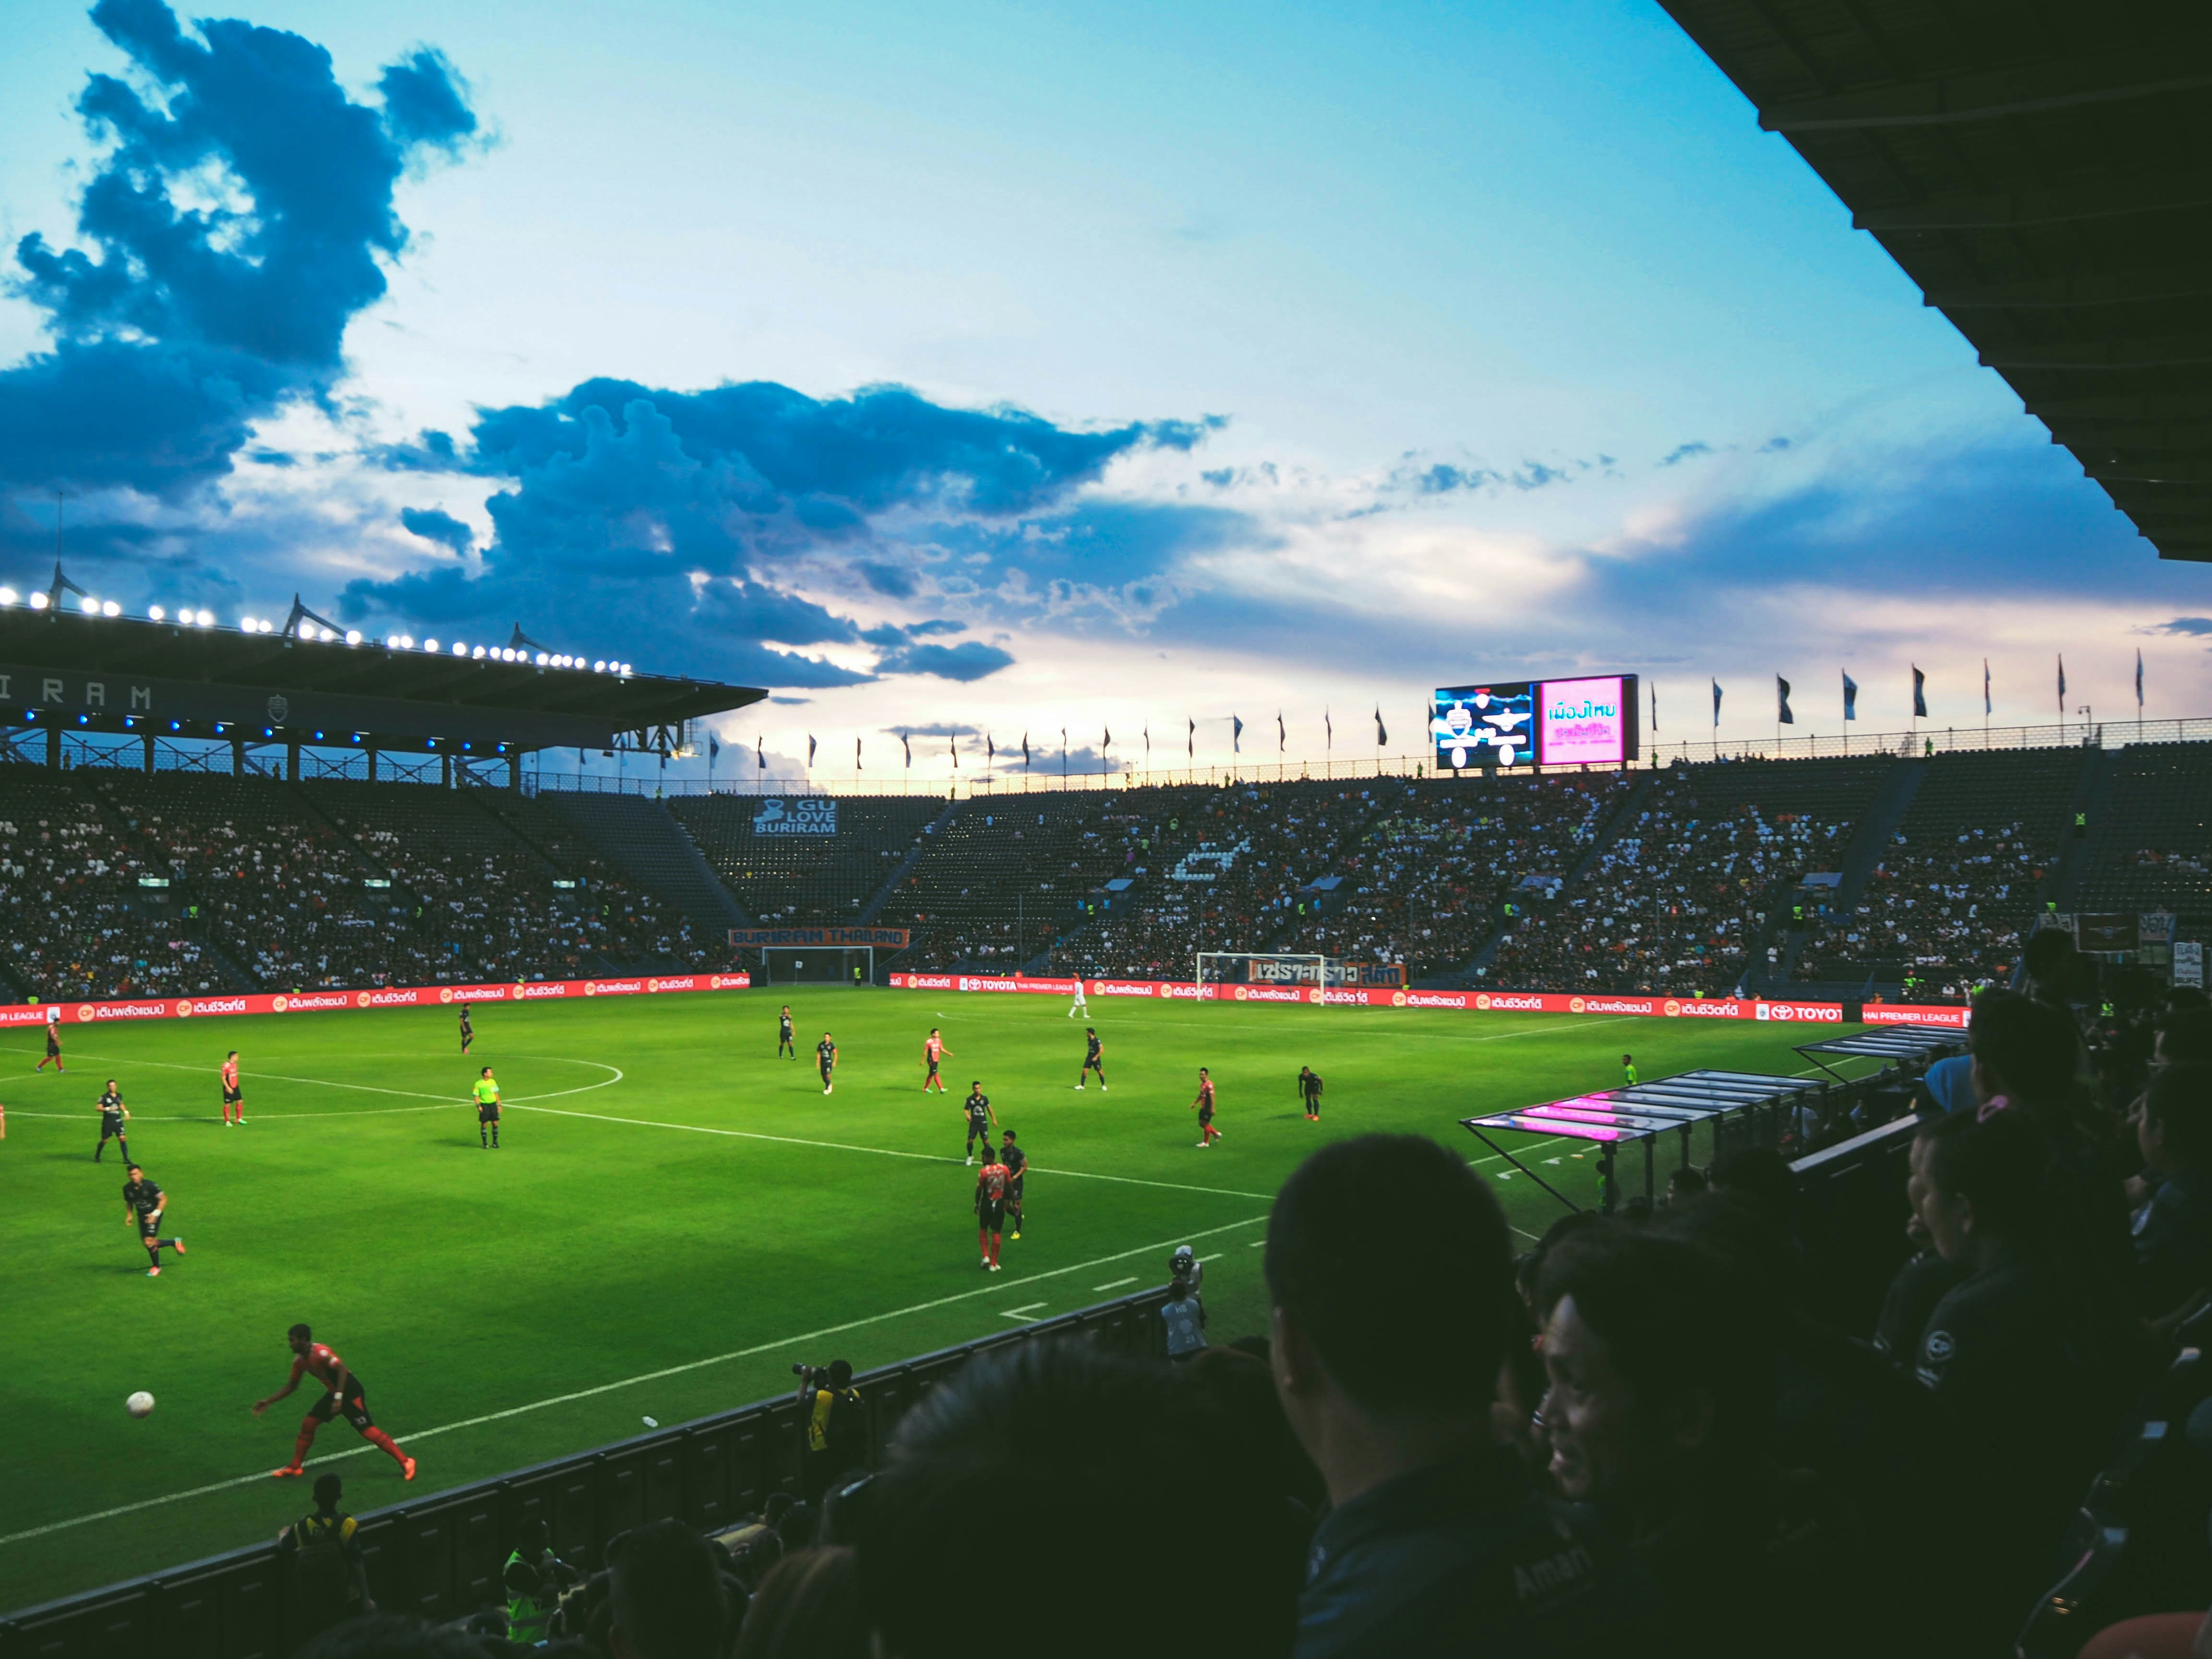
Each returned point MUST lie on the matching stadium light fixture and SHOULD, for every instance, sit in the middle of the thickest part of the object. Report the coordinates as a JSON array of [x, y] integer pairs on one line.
[[156, 613], [110, 608], [543, 657], [460, 650], [429, 645], [39, 602], [86, 603], [7, 596], [206, 619], [353, 636], [478, 652]]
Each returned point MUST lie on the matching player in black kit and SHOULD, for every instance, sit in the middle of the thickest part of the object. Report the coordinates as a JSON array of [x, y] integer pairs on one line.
[[825, 1058], [468, 1031], [112, 1115], [980, 1117], [143, 1204], [786, 1043], [1018, 1168], [1092, 1060]]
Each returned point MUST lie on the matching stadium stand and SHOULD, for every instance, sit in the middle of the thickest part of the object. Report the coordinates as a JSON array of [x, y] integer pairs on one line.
[[2150, 848], [1957, 884], [1677, 900], [786, 880]]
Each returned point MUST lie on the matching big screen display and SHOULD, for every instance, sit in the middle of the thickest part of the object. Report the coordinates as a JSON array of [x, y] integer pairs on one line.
[[1590, 721]]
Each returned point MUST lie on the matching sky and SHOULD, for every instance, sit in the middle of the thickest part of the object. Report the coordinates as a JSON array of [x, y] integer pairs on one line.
[[986, 369]]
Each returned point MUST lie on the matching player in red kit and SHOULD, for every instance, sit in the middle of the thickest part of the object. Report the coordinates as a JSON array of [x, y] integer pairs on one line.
[[990, 1206], [1207, 1134], [234, 1098], [341, 1397], [933, 1051]]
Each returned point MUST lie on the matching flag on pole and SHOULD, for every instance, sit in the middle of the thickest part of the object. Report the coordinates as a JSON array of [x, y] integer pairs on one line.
[[1148, 743], [1919, 694], [1985, 688], [909, 743], [1282, 737], [1655, 705], [1025, 751], [856, 754], [1236, 735], [2061, 685], [1381, 735], [810, 751], [990, 752], [2138, 682], [714, 749], [1850, 697], [1717, 705], [1109, 742], [760, 753], [1781, 714], [1329, 730], [953, 742], [1190, 740]]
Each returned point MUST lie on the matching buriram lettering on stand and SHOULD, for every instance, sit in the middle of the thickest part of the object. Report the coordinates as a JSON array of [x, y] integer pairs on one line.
[[1527, 1002], [331, 1001], [93, 694]]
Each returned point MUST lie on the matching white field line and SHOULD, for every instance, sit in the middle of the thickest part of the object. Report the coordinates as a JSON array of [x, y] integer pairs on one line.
[[330, 1083], [416, 1437]]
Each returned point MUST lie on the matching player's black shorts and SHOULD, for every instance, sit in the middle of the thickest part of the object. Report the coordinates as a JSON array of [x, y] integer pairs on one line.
[[1014, 1191], [232, 1096], [979, 1128], [487, 1114], [932, 1068], [992, 1217], [149, 1227], [354, 1409], [111, 1127], [53, 1048], [1205, 1114]]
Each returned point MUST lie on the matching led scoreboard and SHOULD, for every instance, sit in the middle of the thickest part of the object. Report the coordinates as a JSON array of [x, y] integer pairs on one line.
[[1536, 722]]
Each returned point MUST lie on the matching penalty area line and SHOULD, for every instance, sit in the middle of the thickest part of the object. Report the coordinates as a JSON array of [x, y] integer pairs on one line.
[[416, 1437]]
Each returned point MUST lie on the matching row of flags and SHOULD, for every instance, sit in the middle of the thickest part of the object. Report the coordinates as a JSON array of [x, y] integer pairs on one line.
[[1783, 716], [1106, 743]]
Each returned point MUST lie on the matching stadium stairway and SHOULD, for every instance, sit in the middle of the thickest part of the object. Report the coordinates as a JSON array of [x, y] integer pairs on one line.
[[1608, 832], [1869, 842], [642, 839], [2092, 796]]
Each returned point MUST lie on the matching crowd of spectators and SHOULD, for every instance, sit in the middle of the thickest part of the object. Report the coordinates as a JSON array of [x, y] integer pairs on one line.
[[116, 883], [1675, 902], [1946, 914], [1649, 1433]]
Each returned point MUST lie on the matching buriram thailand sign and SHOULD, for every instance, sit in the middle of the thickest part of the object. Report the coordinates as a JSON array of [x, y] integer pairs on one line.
[[1509, 1002], [389, 996]]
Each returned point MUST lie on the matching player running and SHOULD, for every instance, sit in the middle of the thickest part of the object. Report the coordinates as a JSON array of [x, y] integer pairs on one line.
[[233, 1098], [143, 1203], [486, 1090], [53, 1044], [468, 1029], [1018, 1168], [1092, 1060], [114, 1115], [1079, 1006], [786, 1042], [933, 1051], [1309, 1086], [980, 1117], [343, 1397], [990, 1207], [825, 1060], [1207, 1134]]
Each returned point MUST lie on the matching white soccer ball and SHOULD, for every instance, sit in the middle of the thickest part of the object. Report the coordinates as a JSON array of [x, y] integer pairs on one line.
[[140, 1404], [650, 1424]]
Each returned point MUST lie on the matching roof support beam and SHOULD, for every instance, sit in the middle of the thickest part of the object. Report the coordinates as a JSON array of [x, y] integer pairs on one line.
[[2085, 289], [2067, 205], [2173, 66], [2172, 351]]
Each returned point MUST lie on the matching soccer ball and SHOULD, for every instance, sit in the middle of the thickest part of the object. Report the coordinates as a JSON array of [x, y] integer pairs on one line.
[[140, 1404]]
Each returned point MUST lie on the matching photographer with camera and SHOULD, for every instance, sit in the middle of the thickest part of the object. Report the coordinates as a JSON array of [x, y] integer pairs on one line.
[[1183, 1313], [836, 1433]]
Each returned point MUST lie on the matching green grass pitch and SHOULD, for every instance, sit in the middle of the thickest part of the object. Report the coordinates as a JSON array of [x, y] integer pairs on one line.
[[676, 1217]]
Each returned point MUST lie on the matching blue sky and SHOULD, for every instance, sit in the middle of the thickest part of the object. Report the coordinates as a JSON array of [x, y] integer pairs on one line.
[[988, 368]]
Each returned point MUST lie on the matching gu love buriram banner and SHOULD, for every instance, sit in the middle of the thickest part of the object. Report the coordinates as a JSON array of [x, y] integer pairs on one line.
[[110, 1011], [1502, 1002]]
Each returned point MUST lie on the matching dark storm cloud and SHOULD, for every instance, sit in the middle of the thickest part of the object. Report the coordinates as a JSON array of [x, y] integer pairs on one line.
[[971, 660], [176, 327], [433, 526]]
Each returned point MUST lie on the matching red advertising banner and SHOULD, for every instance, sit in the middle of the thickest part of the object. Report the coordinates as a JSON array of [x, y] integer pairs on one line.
[[1527, 1002], [1951, 1015], [389, 996]]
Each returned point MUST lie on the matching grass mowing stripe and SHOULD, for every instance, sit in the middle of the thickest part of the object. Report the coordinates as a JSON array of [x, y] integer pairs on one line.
[[879, 1152], [418, 1435]]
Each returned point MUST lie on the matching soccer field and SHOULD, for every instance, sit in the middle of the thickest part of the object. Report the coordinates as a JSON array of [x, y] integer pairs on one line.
[[676, 1217]]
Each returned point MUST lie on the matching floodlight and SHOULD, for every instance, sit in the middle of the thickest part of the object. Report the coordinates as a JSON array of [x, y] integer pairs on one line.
[[38, 602], [599, 667], [353, 636], [478, 652], [460, 650], [7, 596], [154, 611], [544, 657], [110, 608], [406, 641], [206, 619], [86, 603], [429, 645]]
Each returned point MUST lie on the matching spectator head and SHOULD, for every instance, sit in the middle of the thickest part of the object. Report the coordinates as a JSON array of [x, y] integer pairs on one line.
[[1975, 1183], [328, 1490], [667, 1597], [1686, 1184], [1341, 1329], [1095, 1455], [1760, 1176], [807, 1606], [2183, 1035], [1661, 1376], [2173, 1120], [534, 1537], [2050, 959], [2023, 1049], [841, 1373]]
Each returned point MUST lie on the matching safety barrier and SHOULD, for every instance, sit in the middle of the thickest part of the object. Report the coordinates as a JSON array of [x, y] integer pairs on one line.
[[441, 1557]]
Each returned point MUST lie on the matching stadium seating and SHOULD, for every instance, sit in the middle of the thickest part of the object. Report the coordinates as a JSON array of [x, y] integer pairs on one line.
[[1676, 899], [1956, 887], [2150, 846], [786, 880]]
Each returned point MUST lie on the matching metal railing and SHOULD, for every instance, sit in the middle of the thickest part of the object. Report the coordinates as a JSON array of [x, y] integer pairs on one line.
[[440, 1557]]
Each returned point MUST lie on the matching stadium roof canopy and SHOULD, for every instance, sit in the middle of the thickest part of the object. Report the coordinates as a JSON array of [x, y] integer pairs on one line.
[[308, 685], [2044, 173]]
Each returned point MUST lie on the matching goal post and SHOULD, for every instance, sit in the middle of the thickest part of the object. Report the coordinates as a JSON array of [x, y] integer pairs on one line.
[[817, 964], [1268, 967]]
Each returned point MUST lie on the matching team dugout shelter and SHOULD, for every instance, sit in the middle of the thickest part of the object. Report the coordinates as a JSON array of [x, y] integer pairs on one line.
[[189, 689]]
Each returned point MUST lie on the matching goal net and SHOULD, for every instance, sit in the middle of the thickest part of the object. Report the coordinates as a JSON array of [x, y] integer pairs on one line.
[[1268, 968], [817, 964]]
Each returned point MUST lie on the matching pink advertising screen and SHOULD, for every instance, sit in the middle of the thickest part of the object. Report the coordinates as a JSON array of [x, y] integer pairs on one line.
[[1586, 721]]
